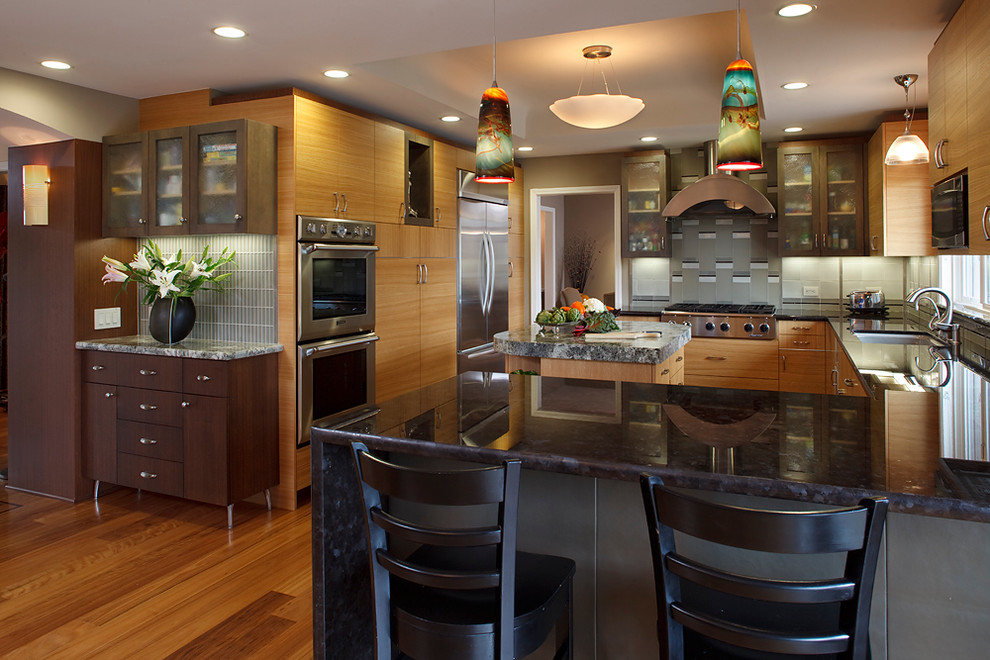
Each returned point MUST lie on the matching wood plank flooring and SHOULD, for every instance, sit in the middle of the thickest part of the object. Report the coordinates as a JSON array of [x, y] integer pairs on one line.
[[148, 576]]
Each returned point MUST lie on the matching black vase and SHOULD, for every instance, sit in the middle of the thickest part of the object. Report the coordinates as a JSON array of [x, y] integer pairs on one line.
[[171, 319]]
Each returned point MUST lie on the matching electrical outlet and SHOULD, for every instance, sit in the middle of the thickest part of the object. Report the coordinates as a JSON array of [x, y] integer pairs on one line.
[[810, 292], [105, 318]]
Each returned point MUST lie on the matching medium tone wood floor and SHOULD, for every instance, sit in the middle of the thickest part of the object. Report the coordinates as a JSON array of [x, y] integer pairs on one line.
[[148, 576]]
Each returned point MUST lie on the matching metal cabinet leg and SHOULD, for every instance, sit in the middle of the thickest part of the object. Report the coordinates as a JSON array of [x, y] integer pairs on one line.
[[268, 498], [230, 516], [96, 489]]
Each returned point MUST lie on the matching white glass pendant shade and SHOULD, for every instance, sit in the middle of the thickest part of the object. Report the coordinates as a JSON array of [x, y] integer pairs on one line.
[[597, 110], [907, 149]]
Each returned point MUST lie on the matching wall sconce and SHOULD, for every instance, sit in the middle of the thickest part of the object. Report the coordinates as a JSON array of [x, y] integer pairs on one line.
[[36, 183]]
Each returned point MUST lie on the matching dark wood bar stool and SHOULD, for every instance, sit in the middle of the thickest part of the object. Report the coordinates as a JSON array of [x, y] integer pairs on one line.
[[456, 589], [707, 612]]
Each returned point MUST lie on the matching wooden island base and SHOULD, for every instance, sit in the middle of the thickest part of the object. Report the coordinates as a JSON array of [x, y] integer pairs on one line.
[[668, 372]]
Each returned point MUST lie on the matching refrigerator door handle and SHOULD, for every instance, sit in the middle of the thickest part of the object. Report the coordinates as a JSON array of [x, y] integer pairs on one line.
[[491, 272], [483, 280]]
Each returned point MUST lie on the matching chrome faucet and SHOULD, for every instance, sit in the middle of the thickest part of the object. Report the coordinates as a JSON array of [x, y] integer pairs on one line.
[[940, 321]]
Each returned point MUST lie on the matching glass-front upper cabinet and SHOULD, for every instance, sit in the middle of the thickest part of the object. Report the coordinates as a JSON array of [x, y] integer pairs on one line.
[[821, 198], [233, 177], [645, 191], [123, 187], [168, 172]]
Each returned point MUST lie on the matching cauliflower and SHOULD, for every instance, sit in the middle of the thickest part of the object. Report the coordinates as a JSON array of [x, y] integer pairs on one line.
[[594, 305]]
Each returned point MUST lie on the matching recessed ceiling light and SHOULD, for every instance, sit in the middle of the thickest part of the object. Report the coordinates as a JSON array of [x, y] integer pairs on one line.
[[524, 148], [795, 9], [793, 129], [229, 32], [795, 85], [335, 73], [55, 64], [450, 118], [649, 138]]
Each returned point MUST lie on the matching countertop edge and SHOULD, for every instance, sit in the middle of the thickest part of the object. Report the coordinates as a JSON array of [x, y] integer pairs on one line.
[[638, 351], [193, 348]]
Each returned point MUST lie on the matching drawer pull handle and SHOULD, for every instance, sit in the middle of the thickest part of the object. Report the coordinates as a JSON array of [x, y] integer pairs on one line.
[[665, 372], [716, 357], [109, 395], [148, 441], [800, 343], [148, 475], [680, 358], [97, 367], [202, 378], [148, 372], [147, 406], [849, 382], [783, 362], [185, 404]]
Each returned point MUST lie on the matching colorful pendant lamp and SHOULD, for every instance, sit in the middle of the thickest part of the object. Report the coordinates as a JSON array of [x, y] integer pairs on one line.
[[739, 146], [493, 160]]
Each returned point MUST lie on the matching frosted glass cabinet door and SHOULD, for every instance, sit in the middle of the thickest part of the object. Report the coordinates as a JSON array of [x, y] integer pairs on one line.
[[168, 172], [797, 219], [645, 191], [844, 205], [218, 204], [123, 191]]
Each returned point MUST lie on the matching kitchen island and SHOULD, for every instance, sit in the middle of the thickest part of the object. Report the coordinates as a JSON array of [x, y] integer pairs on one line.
[[639, 352], [583, 444]]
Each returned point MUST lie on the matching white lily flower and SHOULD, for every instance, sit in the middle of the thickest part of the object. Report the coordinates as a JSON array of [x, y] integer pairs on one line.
[[140, 262], [163, 280], [197, 269], [594, 305], [114, 275]]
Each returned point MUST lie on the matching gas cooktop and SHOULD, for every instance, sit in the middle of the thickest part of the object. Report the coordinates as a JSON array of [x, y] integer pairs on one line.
[[703, 308]]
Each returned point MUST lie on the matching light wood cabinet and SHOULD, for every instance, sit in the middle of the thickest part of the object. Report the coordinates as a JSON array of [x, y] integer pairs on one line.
[[802, 356], [203, 179], [517, 209], [843, 377], [334, 163], [822, 198], [444, 185], [668, 372], [900, 207], [205, 430], [736, 363], [947, 105], [390, 196], [978, 118]]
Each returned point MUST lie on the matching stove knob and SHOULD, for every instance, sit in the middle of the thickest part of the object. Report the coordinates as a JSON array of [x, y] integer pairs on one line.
[[341, 231], [367, 231], [724, 327], [748, 327], [764, 327], [311, 228], [709, 326], [323, 228]]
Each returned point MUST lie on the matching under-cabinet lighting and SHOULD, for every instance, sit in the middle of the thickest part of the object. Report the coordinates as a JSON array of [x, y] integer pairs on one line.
[[795, 9], [35, 185], [56, 64], [229, 32], [335, 73], [797, 84]]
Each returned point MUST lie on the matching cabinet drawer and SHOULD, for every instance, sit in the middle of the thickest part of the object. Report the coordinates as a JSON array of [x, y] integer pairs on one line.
[[151, 474], [155, 372], [207, 377], [150, 406], [100, 367], [734, 358], [802, 342], [152, 440]]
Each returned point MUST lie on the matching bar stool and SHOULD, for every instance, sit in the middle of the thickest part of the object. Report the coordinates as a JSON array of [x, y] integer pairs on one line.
[[456, 589], [705, 611]]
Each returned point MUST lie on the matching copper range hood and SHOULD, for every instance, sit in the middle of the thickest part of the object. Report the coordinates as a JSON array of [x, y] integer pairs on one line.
[[718, 194]]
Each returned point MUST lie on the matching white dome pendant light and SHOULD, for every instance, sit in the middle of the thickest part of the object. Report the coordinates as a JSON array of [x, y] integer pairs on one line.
[[597, 110], [907, 149]]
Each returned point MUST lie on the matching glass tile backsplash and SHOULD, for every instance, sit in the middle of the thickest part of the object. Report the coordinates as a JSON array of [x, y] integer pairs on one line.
[[246, 311]]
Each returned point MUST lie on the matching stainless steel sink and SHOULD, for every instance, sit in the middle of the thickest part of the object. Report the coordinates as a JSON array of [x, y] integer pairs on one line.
[[890, 337]]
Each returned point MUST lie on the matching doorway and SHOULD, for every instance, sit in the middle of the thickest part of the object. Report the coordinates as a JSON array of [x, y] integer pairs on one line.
[[565, 220]]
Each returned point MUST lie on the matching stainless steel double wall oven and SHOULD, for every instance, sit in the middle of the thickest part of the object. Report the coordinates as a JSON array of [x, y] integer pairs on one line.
[[335, 295]]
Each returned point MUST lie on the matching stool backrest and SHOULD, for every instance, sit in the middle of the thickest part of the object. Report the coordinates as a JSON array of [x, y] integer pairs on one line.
[[383, 481], [856, 531]]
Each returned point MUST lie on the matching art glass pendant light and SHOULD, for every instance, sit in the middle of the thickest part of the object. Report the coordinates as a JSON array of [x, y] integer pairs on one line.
[[493, 157], [907, 149], [739, 146]]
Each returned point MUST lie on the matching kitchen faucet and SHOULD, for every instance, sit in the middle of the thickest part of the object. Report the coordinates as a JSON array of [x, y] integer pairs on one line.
[[939, 321]]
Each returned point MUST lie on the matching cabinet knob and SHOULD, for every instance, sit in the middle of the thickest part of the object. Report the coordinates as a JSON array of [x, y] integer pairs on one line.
[[665, 372], [97, 367], [183, 221], [147, 372], [140, 221], [108, 395], [148, 475], [186, 404], [147, 406], [202, 378], [238, 217], [402, 211], [680, 358], [148, 441]]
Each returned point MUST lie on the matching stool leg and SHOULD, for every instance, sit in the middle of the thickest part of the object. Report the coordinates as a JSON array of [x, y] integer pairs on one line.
[[96, 489], [268, 498], [230, 516]]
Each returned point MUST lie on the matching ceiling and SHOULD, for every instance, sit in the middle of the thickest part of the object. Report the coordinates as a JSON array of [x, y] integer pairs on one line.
[[416, 61]]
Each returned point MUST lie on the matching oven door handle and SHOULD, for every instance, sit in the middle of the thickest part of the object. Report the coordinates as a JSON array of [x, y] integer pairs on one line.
[[308, 352], [307, 248]]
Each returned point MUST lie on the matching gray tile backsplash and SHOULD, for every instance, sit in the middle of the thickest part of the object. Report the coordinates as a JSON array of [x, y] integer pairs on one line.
[[247, 309]]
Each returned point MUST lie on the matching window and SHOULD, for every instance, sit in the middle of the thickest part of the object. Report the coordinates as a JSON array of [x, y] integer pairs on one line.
[[967, 279]]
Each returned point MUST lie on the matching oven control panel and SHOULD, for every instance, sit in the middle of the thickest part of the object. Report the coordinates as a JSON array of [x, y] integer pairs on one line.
[[334, 230], [730, 326]]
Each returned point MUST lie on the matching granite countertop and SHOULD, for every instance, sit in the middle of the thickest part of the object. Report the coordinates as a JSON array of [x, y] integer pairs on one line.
[[531, 342], [204, 349], [808, 447]]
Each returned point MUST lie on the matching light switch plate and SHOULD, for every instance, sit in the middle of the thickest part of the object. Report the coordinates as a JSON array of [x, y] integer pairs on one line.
[[810, 292], [105, 318]]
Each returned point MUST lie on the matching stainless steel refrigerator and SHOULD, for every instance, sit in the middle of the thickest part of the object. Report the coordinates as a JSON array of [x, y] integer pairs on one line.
[[482, 280]]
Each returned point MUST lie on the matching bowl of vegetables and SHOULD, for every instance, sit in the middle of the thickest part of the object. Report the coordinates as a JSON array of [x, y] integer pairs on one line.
[[559, 321]]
